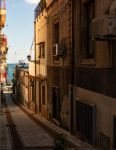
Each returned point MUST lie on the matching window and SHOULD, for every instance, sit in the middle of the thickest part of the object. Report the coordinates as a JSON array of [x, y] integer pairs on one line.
[[33, 94], [85, 121], [56, 33], [42, 50], [55, 41], [104, 141], [43, 95], [88, 14]]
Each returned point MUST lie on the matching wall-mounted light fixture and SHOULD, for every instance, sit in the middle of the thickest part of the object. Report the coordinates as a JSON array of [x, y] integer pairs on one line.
[[28, 57]]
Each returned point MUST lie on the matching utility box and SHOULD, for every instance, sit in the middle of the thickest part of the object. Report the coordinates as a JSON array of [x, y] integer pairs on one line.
[[104, 27]]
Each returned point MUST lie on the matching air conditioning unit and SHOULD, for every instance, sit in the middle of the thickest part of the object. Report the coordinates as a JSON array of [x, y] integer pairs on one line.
[[58, 50], [104, 27]]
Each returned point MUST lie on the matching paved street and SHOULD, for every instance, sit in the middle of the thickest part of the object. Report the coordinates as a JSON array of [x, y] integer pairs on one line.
[[20, 129], [19, 132]]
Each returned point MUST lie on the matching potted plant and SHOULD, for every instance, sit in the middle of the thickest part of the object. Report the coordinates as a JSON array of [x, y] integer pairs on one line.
[[59, 142]]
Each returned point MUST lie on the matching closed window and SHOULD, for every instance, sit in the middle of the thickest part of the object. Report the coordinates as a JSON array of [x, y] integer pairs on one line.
[[43, 95], [42, 50], [85, 121]]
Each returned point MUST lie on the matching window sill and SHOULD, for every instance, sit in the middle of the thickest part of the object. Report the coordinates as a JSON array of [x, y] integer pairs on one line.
[[90, 62]]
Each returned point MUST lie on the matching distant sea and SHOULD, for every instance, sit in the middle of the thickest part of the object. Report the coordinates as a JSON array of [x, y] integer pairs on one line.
[[10, 72]]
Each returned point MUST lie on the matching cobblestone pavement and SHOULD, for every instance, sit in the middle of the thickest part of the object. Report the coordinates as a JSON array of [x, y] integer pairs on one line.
[[20, 131]]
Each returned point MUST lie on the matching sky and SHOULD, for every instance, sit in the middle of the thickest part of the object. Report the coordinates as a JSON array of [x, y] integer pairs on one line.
[[19, 28]]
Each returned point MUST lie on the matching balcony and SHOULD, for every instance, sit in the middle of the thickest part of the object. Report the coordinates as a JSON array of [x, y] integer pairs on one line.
[[3, 40], [39, 9]]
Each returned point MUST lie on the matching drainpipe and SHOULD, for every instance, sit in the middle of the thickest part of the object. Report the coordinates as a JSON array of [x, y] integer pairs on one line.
[[35, 63], [0, 72], [72, 71]]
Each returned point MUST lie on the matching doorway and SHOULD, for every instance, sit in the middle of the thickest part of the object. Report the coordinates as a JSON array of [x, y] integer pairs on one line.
[[56, 103]]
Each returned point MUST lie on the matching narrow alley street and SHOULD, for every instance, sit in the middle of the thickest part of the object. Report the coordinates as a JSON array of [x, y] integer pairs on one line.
[[21, 130], [58, 75]]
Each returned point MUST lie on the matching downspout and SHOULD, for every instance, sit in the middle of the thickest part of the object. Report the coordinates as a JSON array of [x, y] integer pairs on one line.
[[72, 71], [0, 72], [35, 64]]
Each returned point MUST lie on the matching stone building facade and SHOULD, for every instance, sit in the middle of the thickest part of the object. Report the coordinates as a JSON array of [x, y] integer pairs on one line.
[[41, 59], [51, 77], [59, 33], [21, 85], [3, 43], [94, 117]]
